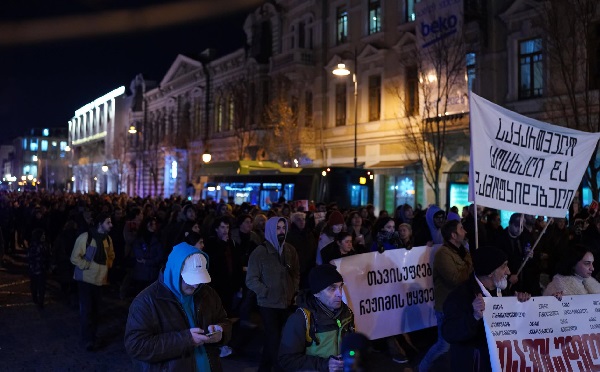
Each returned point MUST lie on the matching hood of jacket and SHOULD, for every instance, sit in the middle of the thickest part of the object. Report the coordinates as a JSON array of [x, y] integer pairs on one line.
[[172, 272], [436, 234], [271, 232]]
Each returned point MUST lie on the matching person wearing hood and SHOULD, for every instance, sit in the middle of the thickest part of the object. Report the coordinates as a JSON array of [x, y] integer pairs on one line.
[[178, 322], [274, 275], [92, 255], [312, 337], [431, 234]]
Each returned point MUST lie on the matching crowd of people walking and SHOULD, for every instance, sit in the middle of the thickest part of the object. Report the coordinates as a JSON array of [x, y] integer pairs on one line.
[[258, 261]]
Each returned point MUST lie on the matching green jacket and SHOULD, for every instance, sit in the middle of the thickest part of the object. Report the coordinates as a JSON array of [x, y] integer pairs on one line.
[[311, 335]]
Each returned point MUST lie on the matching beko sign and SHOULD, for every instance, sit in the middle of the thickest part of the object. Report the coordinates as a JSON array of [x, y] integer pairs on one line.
[[437, 20]]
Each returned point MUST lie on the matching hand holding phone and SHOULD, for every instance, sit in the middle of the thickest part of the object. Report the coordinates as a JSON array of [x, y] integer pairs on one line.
[[212, 333]]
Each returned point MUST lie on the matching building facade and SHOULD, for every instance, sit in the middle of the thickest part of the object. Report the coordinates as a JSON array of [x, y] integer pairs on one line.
[[277, 99], [39, 160]]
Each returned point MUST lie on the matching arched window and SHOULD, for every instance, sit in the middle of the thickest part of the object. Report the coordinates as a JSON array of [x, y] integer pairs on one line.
[[219, 116], [230, 113]]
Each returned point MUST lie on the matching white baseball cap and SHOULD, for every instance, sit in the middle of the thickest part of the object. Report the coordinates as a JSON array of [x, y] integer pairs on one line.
[[194, 270]]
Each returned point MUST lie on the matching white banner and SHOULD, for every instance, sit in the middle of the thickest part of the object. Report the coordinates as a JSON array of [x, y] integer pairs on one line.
[[524, 165], [391, 292], [543, 334]]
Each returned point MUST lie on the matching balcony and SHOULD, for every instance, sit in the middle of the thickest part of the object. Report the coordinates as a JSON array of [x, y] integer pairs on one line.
[[293, 58]]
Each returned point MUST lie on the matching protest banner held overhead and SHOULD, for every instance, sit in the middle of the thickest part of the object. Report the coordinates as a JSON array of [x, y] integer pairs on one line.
[[522, 164], [543, 334], [391, 292]]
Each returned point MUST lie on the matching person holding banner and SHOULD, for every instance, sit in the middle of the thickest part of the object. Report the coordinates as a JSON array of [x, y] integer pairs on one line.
[[452, 266], [312, 336], [574, 274], [463, 325]]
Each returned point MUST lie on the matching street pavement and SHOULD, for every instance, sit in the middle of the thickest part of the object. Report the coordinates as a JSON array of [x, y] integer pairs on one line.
[[34, 339]]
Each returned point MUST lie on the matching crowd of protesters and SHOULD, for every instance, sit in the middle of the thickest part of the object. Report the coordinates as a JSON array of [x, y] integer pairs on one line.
[[144, 231]]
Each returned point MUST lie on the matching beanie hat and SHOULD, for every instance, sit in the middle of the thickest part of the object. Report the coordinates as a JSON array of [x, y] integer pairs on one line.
[[487, 259], [335, 218], [322, 276]]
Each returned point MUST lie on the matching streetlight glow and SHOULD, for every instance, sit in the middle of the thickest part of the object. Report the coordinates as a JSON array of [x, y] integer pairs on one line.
[[132, 129], [341, 70], [104, 168]]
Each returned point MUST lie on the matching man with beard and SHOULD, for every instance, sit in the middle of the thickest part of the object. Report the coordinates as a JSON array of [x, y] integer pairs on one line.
[[463, 324], [274, 275], [452, 266], [92, 255]]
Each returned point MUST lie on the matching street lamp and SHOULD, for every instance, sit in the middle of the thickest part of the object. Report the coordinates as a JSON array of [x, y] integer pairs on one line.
[[341, 70], [206, 156]]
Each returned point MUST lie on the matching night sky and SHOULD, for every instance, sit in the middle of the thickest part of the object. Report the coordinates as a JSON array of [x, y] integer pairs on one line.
[[42, 84]]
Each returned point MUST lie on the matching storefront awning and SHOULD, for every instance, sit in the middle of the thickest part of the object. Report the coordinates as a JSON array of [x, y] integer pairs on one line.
[[395, 164]]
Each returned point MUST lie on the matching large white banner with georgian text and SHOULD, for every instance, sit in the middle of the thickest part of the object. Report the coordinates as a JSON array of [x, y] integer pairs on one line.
[[391, 292], [524, 165], [543, 334]]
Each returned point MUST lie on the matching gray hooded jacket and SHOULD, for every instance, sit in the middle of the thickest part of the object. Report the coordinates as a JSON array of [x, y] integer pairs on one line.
[[273, 269]]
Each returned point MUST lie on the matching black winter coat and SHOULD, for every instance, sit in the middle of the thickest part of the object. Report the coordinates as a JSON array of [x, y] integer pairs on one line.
[[157, 333]]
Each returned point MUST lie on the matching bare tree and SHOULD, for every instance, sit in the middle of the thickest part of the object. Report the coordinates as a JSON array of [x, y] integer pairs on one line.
[[573, 49], [245, 131], [439, 73], [282, 116]]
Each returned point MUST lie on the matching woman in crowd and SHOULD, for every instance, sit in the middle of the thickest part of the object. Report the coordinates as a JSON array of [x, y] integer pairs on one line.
[[574, 274], [335, 224], [361, 235], [148, 254], [405, 235], [385, 236], [340, 247], [194, 239]]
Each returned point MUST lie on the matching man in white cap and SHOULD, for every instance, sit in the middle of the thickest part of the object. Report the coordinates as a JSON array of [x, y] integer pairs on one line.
[[178, 322]]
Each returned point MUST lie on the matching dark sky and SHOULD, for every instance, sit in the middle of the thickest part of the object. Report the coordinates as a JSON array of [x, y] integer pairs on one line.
[[42, 84]]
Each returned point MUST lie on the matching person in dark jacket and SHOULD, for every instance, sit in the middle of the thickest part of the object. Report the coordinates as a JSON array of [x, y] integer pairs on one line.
[[170, 323], [274, 275], [463, 324], [312, 337], [305, 243], [38, 255], [148, 253]]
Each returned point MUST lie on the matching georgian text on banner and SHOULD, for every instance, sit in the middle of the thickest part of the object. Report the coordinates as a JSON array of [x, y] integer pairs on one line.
[[524, 165], [391, 292]]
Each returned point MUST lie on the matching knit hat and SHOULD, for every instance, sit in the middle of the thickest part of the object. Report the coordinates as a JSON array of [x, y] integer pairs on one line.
[[335, 218], [322, 276], [487, 259]]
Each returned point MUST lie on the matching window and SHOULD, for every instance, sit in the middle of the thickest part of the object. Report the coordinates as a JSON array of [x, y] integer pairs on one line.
[[301, 35], [340, 104], [308, 109], [63, 146], [530, 68], [45, 132], [44, 145], [230, 113], [409, 11], [594, 57], [219, 116], [341, 25], [374, 16], [374, 97], [470, 59], [33, 144], [24, 143], [411, 97]]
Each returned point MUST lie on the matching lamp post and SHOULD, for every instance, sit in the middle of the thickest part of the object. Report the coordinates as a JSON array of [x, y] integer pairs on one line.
[[341, 70]]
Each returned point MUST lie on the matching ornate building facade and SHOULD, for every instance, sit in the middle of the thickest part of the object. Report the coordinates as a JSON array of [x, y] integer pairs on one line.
[[276, 98]]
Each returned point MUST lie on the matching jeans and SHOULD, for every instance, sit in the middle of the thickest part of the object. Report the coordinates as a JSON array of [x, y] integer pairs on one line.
[[273, 321], [90, 299], [437, 349]]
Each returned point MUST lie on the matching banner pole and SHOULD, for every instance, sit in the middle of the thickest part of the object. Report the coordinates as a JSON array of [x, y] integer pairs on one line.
[[476, 227], [550, 221]]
